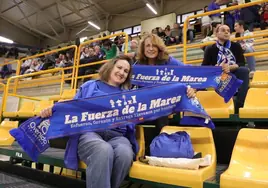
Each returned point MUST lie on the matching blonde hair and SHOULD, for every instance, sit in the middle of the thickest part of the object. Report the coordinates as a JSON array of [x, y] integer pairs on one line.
[[156, 41], [106, 69]]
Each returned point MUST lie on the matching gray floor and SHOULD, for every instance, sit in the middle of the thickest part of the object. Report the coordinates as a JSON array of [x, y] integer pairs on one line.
[[10, 181], [136, 185]]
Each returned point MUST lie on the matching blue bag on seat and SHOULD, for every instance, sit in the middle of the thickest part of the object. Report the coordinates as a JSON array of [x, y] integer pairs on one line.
[[176, 145]]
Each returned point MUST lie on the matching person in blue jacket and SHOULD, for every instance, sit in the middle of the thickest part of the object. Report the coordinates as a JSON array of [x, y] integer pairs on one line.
[[153, 51], [108, 154]]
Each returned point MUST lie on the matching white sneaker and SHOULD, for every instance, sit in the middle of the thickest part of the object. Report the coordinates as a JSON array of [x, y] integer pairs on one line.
[[251, 74], [251, 125]]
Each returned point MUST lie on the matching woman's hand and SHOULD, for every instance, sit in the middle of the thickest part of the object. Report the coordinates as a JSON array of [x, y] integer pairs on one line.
[[46, 112], [191, 92]]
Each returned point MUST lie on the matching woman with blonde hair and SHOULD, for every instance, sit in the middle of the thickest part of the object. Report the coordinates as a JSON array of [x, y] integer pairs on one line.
[[153, 51]]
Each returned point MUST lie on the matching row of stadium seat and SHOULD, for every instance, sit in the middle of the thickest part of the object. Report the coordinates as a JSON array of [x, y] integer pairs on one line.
[[260, 80], [28, 109]]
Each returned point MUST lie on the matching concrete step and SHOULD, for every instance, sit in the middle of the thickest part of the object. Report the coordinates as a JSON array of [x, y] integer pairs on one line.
[[41, 90]]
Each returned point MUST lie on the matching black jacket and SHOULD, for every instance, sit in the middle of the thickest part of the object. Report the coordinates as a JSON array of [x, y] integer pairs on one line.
[[211, 54]]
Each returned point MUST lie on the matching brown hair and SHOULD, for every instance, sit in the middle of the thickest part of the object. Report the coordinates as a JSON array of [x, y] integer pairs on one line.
[[107, 68], [159, 43], [219, 26]]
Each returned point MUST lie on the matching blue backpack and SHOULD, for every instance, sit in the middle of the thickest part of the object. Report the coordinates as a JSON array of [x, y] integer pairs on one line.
[[176, 145]]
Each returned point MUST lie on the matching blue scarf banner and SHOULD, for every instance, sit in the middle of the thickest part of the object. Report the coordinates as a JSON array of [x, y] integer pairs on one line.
[[31, 136], [107, 112], [199, 77]]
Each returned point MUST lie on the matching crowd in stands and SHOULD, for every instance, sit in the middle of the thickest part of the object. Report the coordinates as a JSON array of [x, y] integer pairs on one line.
[[61, 59], [253, 16], [175, 35], [9, 52], [240, 21]]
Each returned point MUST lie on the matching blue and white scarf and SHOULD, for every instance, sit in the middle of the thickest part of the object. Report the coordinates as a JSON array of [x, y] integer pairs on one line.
[[107, 112], [225, 54]]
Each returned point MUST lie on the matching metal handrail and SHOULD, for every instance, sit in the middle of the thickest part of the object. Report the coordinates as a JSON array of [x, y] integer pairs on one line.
[[95, 40], [6, 93], [186, 22]]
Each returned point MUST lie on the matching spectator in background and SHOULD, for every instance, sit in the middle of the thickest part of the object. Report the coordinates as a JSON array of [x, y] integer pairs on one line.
[[110, 49], [230, 17], [133, 50], [35, 65], [215, 5], [49, 62], [13, 51], [85, 53], [92, 57], [123, 45], [161, 33], [246, 44], [6, 70], [99, 53], [212, 35], [175, 35], [190, 33], [154, 31], [250, 15], [264, 17], [229, 55], [168, 31], [25, 65], [206, 23], [119, 41]]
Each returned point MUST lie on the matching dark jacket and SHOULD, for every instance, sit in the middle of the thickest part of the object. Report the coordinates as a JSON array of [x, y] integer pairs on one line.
[[211, 54], [250, 14]]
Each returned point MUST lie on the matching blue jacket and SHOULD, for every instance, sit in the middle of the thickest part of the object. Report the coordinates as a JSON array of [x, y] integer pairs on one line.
[[89, 89], [213, 6]]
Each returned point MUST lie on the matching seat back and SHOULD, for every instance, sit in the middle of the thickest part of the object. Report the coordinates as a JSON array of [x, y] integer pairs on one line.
[[9, 124], [251, 149], [27, 106], [201, 138], [260, 76], [210, 99], [43, 104], [68, 94], [257, 97]]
